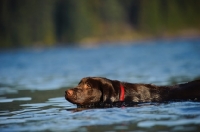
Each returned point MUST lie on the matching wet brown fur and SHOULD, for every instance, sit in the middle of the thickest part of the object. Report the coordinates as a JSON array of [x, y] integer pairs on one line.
[[98, 89]]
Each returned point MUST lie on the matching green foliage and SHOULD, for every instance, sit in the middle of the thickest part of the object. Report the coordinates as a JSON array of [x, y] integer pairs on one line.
[[24, 23], [46, 22], [158, 16]]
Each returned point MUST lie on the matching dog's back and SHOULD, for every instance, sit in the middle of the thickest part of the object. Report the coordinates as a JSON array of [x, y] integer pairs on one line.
[[186, 91]]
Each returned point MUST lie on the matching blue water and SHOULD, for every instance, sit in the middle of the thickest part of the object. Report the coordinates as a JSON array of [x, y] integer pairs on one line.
[[33, 81]]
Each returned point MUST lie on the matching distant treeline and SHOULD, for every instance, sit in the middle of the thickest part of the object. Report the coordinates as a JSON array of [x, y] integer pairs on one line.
[[49, 22]]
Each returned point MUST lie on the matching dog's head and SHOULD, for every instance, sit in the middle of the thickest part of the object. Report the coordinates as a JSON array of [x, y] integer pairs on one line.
[[93, 90]]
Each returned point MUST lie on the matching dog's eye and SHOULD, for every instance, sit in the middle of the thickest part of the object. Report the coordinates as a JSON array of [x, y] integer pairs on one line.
[[88, 85]]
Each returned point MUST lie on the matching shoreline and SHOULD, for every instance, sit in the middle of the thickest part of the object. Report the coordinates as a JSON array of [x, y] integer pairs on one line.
[[139, 37], [125, 39]]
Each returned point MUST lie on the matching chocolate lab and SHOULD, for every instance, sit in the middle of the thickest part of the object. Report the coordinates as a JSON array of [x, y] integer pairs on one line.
[[92, 90]]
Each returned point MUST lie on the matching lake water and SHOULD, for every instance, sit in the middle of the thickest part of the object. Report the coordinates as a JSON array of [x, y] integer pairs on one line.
[[33, 81]]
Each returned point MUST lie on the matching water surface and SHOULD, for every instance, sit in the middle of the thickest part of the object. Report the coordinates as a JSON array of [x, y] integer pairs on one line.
[[33, 81]]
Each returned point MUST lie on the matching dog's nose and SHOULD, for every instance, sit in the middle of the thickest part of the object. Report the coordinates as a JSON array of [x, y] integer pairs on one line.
[[69, 92]]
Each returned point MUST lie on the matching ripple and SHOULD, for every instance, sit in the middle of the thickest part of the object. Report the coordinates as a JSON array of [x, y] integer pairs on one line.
[[7, 90], [5, 100], [169, 123]]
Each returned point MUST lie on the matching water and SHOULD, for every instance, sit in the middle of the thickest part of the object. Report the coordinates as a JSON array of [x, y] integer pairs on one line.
[[33, 81]]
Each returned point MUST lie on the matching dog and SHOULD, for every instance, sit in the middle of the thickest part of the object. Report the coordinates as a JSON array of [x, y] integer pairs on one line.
[[92, 90]]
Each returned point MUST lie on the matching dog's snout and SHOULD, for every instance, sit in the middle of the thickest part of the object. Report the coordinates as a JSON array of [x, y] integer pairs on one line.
[[69, 92]]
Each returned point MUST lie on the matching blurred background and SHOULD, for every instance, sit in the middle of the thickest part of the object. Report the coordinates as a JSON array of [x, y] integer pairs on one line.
[[67, 22], [47, 46]]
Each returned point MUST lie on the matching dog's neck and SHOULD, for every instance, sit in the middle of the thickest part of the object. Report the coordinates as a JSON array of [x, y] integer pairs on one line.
[[122, 93]]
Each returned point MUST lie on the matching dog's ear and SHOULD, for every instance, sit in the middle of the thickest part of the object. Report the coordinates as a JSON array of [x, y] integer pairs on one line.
[[110, 92]]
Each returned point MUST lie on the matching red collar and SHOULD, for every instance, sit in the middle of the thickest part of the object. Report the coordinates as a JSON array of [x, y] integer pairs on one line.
[[121, 93]]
